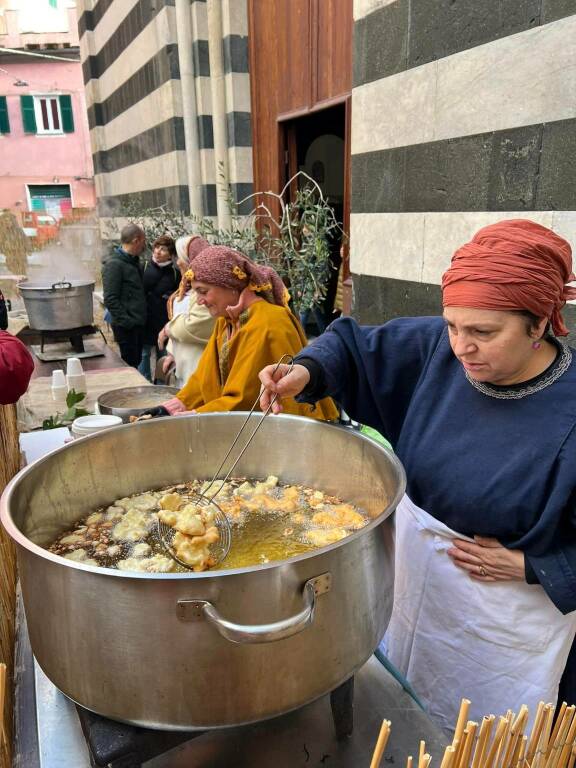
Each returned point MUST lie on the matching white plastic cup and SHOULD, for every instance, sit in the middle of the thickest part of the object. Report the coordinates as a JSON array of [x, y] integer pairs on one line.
[[74, 367], [58, 378], [77, 382], [59, 386]]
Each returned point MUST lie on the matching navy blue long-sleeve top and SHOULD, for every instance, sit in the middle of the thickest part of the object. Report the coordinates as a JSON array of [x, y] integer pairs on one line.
[[503, 468]]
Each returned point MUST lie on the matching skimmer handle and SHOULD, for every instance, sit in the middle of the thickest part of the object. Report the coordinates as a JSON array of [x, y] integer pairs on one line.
[[284, 359]]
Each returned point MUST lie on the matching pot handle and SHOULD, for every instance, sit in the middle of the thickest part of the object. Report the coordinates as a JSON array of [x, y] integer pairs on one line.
[[200, 610], [62, 284]]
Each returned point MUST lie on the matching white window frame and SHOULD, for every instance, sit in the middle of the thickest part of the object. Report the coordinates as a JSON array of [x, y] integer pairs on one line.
[[38, 114]]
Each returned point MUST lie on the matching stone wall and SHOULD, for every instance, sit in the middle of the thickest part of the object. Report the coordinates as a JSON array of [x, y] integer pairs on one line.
[[131, 71], [463, 113]]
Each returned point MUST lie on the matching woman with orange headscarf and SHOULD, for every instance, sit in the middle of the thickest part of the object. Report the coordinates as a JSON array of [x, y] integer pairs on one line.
[[480, 406]]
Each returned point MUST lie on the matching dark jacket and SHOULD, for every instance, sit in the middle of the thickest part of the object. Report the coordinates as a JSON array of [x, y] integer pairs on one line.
[[124, 295], [159, 284]]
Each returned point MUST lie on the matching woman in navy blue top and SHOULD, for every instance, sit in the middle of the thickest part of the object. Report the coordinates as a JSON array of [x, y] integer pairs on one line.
[[480, 406]]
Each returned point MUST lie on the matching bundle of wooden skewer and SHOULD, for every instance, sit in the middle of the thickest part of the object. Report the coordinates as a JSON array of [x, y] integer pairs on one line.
[[502, 742]]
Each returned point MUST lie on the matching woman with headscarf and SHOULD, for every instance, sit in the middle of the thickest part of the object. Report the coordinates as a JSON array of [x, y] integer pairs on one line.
[[480, 406], [190, 324], [253, 327]]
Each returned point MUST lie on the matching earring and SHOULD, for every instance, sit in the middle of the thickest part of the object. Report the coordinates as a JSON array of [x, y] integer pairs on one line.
[[535, 345]]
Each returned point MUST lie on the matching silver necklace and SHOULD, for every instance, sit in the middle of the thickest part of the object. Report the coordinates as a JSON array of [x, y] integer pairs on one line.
[[560, 368]]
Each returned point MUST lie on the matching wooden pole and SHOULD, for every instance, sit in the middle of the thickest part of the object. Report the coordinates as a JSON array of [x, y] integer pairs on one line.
[[9, 466]]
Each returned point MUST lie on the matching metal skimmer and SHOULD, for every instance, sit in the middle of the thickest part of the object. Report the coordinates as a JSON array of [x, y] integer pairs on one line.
[[220, 549]]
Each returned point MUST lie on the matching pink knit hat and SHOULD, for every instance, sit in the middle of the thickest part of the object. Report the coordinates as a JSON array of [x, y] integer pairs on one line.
[[225, 267]]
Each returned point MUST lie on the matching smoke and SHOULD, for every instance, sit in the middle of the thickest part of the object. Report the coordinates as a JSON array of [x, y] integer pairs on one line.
[[76, 256]]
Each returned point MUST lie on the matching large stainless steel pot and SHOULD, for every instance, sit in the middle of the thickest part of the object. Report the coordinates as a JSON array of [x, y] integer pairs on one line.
[[55, 307], [180, 651]]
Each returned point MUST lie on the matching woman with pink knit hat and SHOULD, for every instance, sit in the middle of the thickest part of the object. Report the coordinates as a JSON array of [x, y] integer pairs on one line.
[[190, 324], [253, 328]]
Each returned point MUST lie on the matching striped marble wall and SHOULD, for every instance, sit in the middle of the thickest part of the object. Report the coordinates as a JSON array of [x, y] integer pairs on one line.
[[463, 113], [130, 62]]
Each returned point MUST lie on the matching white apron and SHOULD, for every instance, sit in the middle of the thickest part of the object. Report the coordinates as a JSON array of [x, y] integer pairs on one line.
[[499, 644]]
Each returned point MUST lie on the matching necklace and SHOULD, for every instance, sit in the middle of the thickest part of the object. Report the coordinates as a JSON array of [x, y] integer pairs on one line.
[[544, 380]]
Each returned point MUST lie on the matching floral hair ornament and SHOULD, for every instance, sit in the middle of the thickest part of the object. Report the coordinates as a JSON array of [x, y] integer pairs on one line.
[[240, 274], [189, 274]]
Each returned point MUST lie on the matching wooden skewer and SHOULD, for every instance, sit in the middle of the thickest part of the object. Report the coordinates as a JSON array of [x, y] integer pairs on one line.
[[501, 753], [470, 732], [409, 762], [558, 738], [421, 753], [539, 757], [488, 761], [426, 760], [462, 720], [448, 759], [535, 735], [380, 744], [565, 751], [516, 733], [557, 726], [483, 739], [572, 757], [521, 753]]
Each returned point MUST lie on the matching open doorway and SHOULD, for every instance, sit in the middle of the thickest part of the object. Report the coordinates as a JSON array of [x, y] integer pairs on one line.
[[316, 144]]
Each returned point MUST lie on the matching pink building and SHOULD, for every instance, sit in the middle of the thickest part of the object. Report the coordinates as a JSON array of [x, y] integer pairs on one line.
[[45, 156]]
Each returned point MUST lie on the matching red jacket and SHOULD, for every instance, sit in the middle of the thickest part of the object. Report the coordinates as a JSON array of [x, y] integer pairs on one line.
[[16, 366]]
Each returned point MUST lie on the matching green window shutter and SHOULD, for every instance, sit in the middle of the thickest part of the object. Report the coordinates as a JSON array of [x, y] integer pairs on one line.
[[4, 122], [28, 116], [66, 112]]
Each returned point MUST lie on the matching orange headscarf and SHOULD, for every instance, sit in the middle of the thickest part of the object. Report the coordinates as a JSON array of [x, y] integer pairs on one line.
[[514, 264]]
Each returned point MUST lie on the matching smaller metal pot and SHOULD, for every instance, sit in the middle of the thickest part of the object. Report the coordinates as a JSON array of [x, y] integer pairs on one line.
[[132, 401], [62, 305]]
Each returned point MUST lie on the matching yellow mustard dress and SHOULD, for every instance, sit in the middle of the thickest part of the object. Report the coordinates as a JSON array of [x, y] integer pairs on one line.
[[226, 378]]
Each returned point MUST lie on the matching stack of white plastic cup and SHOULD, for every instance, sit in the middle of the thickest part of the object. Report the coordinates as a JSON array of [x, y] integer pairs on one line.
[[59, 387], [75, 378]]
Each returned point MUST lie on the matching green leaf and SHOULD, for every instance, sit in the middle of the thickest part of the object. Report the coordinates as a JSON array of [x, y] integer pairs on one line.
[[74, 397]]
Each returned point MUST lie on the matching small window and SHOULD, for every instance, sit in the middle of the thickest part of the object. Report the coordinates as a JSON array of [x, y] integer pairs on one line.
[[47, 115], [47, 112]]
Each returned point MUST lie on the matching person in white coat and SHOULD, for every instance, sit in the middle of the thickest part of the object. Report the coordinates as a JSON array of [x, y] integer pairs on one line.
[[190, 325]]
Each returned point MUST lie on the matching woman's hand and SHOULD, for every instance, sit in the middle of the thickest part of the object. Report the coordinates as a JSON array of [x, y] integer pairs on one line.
[[487, 560], [275, 381], [162, 338], [167, 363]]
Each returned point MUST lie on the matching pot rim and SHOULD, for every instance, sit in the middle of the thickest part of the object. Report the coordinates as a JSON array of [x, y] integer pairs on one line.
[[61, 285], [19, 538]]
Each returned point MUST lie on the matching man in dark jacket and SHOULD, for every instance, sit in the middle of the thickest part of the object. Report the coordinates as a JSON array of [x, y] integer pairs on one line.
[[124, 295]]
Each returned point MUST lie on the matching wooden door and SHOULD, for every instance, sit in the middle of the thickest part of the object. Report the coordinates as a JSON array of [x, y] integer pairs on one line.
[[300, 62]]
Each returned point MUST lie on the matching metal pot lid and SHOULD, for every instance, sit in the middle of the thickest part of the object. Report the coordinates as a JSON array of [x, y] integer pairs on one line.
[[32, 285]]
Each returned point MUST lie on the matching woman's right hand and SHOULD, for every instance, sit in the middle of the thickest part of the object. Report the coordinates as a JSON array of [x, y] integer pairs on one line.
[[162, 338], [277, 381]]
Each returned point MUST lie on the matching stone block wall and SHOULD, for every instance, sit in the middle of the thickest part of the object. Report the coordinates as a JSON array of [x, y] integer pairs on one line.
[[131, 71], [463, 113]]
